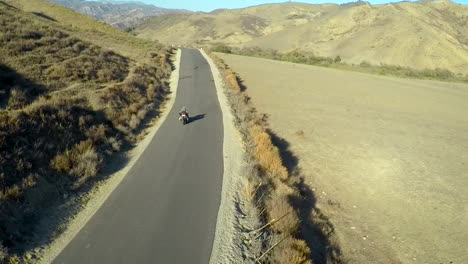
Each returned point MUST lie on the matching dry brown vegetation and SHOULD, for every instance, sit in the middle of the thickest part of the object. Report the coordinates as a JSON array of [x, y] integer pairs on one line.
[[303, 57], [88, 29], [66, 107], [414, 34], [270, 187]]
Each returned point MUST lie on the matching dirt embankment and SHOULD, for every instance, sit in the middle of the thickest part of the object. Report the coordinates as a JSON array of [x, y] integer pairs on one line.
[[386, 157]]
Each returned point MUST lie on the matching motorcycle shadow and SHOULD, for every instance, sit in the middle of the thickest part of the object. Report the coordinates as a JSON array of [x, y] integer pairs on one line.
[[196, 118]]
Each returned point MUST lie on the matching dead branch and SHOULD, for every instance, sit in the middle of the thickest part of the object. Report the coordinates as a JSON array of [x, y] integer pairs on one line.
[[273, 221], [270, 249]]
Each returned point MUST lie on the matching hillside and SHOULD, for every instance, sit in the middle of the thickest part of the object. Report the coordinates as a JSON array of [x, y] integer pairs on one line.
[[425, 34], [72, 96], [119, 14], [87, 28]]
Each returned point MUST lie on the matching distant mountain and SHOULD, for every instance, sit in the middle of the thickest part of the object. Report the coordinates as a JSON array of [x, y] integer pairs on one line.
[[120, 14], [423, 34]]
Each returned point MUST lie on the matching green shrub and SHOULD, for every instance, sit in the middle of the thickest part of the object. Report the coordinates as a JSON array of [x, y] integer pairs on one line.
[[337, 59], [364, 64], [222, 48]]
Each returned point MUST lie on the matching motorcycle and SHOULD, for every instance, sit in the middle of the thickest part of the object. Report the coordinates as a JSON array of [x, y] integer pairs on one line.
[[184, 119]]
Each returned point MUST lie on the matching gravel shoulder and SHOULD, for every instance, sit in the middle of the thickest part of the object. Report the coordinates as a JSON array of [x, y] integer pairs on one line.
[[227, 244]]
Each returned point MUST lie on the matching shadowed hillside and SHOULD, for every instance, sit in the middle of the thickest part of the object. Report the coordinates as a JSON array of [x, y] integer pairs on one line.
[[425, 34], [67, 107]]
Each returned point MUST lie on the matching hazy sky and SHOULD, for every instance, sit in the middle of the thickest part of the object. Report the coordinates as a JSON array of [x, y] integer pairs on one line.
[[209, 5]]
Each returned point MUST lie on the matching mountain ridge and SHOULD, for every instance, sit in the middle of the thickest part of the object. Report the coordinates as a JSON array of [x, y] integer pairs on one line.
[[424, 34], [122, 14]]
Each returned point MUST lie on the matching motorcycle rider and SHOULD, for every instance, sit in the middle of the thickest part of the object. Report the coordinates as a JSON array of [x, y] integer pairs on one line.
[[184, 112]]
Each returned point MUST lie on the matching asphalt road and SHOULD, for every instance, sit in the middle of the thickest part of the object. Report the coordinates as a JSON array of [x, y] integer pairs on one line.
[[165, 209]]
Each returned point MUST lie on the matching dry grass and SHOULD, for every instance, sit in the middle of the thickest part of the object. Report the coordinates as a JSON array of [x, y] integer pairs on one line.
[[267, 154], [290, 250], [266, 187], [231, 80], [91, 30], [278, 206], [249, 189], [81, 162], [303, 57], [66, 106], [50, 58], [3, 253]]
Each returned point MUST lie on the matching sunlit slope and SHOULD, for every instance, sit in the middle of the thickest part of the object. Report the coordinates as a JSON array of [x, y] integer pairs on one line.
[[420, 35], [231, 26], [89, 29], [416, 34]]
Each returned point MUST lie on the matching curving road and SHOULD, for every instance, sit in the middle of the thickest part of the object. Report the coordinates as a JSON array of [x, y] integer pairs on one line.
[[164, 211]]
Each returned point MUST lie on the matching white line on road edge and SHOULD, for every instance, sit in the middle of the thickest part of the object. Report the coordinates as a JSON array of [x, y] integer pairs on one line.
[[102, 192], [224, 244]]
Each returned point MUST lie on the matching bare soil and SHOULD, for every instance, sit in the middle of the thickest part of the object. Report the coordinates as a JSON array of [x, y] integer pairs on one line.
[[386, 157]]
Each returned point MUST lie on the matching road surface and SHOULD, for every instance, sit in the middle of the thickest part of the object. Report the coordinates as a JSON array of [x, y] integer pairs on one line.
[[164, 211]]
